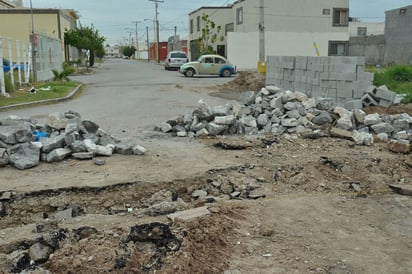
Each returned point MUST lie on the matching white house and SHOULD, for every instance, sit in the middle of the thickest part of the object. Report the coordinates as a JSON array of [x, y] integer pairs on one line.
[[292, 28]]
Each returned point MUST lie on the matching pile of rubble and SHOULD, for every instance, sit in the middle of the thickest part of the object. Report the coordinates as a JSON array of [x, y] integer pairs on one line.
[[283, 112], [24, 142]]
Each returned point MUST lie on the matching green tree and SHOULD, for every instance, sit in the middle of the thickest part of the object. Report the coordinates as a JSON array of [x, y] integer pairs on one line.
[[86, 38], [211, 33], [128, 51]]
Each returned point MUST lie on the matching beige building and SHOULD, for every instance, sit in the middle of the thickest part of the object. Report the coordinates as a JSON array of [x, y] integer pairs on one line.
[[293, 27], [17, 23]]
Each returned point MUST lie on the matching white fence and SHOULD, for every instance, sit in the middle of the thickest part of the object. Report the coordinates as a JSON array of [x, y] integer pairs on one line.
[[15, 56], [48, 57]]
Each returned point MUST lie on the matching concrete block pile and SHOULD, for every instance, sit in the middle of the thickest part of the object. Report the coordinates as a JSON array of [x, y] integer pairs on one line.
[[24, 142], [292, 114], [340, 78]]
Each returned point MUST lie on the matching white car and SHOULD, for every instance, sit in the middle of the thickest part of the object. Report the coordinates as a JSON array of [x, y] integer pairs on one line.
[[175, 59], [209, 64]]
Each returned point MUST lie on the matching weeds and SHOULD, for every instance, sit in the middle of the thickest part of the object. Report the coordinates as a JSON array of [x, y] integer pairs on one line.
[[398, 79], [64, 74]]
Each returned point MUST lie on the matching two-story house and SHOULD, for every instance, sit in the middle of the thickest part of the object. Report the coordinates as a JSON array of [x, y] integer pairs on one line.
[[293, 27], [221, 16]]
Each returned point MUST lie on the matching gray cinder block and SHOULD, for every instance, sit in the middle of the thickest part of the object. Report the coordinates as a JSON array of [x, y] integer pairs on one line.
[[367, 100]]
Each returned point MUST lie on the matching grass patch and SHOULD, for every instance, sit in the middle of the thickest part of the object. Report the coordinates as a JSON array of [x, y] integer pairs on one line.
[[396, 78], [57, 90]]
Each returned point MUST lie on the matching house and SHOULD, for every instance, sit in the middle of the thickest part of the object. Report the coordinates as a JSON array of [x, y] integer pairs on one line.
[[221, 16], [398, 36], [293, 27]]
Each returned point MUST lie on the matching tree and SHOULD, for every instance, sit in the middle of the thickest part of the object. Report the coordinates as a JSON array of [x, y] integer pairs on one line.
[[210, 35], [85, 38], [128, 51]]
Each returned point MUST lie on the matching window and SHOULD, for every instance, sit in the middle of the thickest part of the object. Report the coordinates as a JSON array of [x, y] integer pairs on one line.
[[191, 25], [219, 60], [229, 28], [208, 60], [239, 16], [338, 48], [326, 12], [198, 23], [362, 31], [340, 17]]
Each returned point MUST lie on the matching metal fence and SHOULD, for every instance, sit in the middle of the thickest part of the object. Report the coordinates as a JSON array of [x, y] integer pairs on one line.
[[48, 57], [14, 56]]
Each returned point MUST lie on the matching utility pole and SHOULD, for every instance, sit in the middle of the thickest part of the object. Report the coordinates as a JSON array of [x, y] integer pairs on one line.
[[157, 28], [174, 38], [148, 44], [33, 44], [262, 32], [137, 41]]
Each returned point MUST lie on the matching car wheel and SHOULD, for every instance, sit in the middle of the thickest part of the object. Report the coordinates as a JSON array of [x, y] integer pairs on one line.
[[190, 72], [226, 73], [166, 67]]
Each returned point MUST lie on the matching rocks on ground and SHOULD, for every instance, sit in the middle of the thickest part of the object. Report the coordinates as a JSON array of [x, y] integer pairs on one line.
[[24, 142], [275, 111]]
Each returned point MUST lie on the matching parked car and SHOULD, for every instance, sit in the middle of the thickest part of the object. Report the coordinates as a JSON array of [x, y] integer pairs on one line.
[[209, 64], [175, 59], [6, 65]]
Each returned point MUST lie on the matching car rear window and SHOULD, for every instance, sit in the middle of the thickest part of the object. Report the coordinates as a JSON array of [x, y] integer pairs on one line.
[[178, 55]]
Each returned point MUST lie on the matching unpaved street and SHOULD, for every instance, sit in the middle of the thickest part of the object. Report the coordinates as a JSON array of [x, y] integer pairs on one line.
[[275, 205]]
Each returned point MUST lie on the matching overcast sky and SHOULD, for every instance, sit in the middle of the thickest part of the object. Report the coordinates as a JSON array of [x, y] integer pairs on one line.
[[114, 19]]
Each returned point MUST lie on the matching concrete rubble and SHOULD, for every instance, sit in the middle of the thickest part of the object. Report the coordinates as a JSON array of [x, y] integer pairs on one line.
[[24, 142], [292, 114]]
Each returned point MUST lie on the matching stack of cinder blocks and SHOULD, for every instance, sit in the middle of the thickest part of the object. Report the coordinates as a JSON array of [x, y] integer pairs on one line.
[[341, 78]]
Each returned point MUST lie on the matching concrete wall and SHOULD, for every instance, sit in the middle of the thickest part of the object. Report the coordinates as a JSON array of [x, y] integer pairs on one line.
[[371, 47], [49, 56], [243, 48], [372, 28], [340, 78], [398, 36]]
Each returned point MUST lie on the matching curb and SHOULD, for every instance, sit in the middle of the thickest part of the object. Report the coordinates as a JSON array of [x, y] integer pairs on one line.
[[67, 97]]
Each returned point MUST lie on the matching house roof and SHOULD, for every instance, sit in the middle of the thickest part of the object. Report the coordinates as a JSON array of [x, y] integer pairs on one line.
[[6, 3], [212, 8]]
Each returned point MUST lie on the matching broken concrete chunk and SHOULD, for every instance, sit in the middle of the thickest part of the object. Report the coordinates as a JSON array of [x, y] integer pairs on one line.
[[58, 155], [402, 189], [83, 155], [189, 214], [24, 156], [165, 127], [57, 120], [399, 147]]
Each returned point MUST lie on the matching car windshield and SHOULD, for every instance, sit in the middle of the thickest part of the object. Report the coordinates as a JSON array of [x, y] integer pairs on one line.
[[178, 55]]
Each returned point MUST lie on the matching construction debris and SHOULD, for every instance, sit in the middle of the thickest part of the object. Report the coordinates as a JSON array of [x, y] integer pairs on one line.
[[24, 142], [292, 114]]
